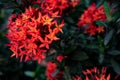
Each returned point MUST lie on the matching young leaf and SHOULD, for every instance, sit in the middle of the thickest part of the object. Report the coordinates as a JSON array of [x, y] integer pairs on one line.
[[29, 73]]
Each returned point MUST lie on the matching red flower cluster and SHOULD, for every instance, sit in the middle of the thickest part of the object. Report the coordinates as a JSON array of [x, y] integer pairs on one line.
[[33, 31], [89, 17], [58, 5], [51, 68], [94, 74]]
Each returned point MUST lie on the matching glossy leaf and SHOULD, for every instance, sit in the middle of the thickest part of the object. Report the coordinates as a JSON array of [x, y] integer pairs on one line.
[[107, 11], [101, 23], [108, 37]]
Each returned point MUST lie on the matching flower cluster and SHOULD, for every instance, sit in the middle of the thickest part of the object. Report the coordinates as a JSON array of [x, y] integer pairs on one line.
[[56, 6], [32, 31], [94, 74], [89, 17]]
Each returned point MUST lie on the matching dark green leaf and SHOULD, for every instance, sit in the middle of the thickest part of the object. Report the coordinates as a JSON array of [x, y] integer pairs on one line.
[[108, 37], [70, 49], [101, 23], [36, 6], [70, 20], [87, 3], [115, 66], [107, 11], [81, 56], [100, 2], [114, 52], [92, 46]]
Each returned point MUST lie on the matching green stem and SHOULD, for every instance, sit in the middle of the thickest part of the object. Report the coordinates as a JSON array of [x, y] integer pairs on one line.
[[67, 75]]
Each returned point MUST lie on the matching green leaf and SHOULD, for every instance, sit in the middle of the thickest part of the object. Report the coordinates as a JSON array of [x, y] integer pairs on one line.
[[70, 20], [114, 52], [55, 73], [70, 49], [108, 37], [36, 6], [101, 58], [29, 73], [115, 66], [87, 3], [81, 56], [92, 46], [107, 11], [101, 23], [99, 2]]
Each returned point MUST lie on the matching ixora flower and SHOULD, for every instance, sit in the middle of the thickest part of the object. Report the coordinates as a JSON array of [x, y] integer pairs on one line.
[[50, 71], [89, 17], [30, 34], [60, 58], [94, 74]]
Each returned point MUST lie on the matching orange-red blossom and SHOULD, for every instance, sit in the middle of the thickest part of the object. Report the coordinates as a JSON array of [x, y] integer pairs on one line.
[[89, 17]]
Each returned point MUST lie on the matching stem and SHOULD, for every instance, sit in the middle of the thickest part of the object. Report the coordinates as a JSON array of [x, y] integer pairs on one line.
[[67, 75]]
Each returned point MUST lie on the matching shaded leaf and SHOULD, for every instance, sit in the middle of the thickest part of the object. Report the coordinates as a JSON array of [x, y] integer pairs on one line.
[[70, 20], [92, 46], [108, 37], [81, 56], [70, 49], [114, 52], [115, 66], [101, 23]]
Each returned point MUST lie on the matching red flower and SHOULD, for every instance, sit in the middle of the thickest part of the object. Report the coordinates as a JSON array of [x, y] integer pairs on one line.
[[100, 29], [31, 33], [77, 78], [51, 68], [74, 2], [91, 30], [60, 58], [89, 17], [94, 74]]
